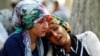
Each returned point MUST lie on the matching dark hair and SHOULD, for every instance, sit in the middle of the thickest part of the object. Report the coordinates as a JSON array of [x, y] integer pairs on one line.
[[13, 5]]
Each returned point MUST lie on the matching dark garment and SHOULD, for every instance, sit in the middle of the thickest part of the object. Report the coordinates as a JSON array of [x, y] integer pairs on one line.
[[76, 49], [14, 46], [35, 52]]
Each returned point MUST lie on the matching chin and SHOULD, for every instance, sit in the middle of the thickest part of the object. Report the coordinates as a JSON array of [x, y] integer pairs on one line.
[[42, 35], [62, 43]]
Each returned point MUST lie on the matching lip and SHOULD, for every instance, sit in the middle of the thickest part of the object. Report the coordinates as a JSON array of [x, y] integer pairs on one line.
[[59, 38], [43, 31]]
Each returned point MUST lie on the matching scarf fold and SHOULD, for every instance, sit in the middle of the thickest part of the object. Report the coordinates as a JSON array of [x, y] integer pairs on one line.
[[27, 42]]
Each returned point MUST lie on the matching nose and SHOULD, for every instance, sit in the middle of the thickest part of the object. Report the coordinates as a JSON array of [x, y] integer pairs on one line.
[[46, 26], [54, 33]]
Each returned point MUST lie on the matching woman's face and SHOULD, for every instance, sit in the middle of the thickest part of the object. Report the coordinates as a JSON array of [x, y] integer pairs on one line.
[[57, 34], [40, 28]]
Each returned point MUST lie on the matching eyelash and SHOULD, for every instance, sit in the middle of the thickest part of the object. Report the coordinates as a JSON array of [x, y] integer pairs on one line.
[[40, 21]]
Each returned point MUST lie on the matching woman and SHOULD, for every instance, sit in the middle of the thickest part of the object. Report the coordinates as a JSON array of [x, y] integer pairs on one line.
[[30, 21], [67, 44]]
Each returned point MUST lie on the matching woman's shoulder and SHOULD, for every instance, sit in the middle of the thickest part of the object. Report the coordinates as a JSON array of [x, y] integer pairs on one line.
[[14, 39], [15, 36], [13, 45]]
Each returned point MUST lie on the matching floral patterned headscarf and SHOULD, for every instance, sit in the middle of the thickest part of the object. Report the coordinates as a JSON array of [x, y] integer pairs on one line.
[[59, 21], [27, 13]]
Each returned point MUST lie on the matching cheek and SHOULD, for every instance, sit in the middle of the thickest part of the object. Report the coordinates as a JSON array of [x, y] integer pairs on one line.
[[38, 28], [61, 30]]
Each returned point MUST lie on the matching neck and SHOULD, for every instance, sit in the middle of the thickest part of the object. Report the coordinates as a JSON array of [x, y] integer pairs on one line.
[[33, 39], [67, 46]]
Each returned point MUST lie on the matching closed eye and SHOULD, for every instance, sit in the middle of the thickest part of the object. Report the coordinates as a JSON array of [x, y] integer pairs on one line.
[[41, 21], [54, 28]]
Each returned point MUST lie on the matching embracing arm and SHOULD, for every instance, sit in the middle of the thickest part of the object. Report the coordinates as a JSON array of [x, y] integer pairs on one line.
[[91, 42]]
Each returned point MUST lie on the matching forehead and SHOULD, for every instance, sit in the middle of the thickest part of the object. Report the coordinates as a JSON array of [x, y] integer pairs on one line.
[[52, 25]]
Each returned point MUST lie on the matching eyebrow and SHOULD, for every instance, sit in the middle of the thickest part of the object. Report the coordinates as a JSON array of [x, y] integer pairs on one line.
[[53, 27], [43, 17]]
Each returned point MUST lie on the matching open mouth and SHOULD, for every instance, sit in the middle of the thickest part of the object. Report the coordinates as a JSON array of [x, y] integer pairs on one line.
[[59, 38]]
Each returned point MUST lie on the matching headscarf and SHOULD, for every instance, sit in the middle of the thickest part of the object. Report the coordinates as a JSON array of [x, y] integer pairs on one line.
[[25, 15], [59, 21]]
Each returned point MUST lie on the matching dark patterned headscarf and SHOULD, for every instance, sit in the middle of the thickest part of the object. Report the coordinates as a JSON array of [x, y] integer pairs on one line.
[[59, 21]]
